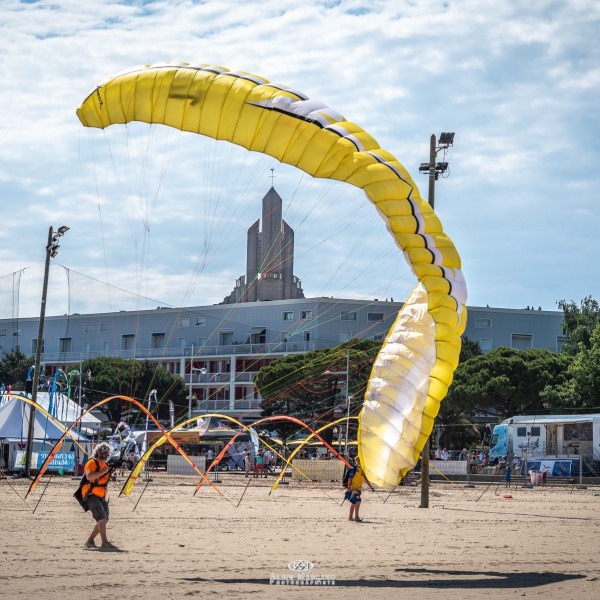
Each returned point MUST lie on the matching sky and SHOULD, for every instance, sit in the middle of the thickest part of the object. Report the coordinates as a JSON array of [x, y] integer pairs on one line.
[[518, 82]]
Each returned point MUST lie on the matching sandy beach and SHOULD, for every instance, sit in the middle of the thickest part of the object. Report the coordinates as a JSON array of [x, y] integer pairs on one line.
[[471, 543]]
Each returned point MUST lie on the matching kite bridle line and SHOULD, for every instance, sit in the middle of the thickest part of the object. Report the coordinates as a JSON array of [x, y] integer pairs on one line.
[[307, 441], [135, 472], [283, 459]]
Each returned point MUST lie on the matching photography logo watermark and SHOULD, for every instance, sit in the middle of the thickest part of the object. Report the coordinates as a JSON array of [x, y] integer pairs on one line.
[[301, 574]]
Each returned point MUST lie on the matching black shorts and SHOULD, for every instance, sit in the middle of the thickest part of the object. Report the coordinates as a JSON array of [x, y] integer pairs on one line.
[[98, 507]]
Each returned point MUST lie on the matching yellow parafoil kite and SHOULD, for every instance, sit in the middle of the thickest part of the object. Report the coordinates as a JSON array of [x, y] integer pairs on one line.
[[416, 363]]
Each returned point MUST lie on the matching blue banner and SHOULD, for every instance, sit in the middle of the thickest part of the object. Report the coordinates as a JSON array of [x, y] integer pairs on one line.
[[554, 468], [63, 461]]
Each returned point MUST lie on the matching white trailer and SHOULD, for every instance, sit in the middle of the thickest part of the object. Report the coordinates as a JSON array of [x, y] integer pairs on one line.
[[558, 442]]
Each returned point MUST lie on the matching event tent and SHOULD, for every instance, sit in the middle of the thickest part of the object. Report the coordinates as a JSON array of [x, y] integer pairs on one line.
[[64, 409], [14, 424]]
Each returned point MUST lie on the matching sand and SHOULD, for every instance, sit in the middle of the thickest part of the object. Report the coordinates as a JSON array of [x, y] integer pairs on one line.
[[541, 542]]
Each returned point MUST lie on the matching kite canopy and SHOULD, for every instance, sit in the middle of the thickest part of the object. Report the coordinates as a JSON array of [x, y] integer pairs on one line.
[[416, 363]]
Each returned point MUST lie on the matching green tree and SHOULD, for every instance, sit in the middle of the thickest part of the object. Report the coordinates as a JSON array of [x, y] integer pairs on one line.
[[581, 389], [502, 383], [468, 349], [308, 386], [579, 323], [456, 410], [13, 369], [133, 378]]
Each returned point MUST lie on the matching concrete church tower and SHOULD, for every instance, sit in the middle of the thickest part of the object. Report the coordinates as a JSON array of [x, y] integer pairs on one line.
[[269, 259]]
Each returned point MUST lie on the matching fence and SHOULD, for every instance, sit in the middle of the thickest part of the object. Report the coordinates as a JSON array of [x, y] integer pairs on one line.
[[317, 470], [169, 461]]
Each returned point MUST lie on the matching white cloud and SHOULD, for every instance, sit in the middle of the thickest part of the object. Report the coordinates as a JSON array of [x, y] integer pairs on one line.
[[517, 81]]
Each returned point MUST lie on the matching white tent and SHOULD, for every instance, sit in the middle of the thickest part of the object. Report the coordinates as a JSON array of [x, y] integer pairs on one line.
[[14, 424], [63, 409]]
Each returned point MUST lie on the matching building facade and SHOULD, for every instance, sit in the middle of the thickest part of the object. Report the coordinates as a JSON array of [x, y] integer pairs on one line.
[[218, 349], [522, 329]]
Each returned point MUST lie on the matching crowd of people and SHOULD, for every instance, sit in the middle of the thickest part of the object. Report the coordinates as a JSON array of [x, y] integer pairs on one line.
[[261, 466], [478, 460]]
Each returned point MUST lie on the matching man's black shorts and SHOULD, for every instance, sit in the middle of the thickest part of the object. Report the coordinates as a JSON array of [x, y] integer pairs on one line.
[[98, 507]]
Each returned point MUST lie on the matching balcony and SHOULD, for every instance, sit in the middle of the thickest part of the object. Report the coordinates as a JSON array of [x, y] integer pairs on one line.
[[248, 404], [177, 353], [208, 379], [212, 405], [245, 377]]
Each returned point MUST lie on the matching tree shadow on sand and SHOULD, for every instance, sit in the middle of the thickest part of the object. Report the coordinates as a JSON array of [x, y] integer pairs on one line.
[[432, 578]]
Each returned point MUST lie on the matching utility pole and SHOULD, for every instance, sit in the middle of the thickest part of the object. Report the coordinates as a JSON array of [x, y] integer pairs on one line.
[[434, 170], [348, 399], [191, 382], [51, 251], [346, 389]]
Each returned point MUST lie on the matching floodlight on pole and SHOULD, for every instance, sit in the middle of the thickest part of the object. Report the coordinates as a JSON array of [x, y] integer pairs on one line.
[[446, 139], [435, 169], [51, 251]]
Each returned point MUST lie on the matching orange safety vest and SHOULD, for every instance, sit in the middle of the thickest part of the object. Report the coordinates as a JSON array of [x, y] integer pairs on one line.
[[98, 487]]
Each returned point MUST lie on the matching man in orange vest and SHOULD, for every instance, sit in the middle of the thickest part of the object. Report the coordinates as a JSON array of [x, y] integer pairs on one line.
[[98, 473]]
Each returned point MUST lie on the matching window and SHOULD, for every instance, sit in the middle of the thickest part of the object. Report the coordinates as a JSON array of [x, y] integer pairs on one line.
[[375, 317], [182, 343], [521, 431], [225, 338], [581, 432], [307, 336], [104, 327], [158, 340], [485, 344], [483, 323], [305, 315], [200, 321], [89, 328], [87, 347], [105, 347], [258, 335], [345, 336], [348, 316], [127, 341], [3, 332], [285, 336], [287, 316], [64, 344], [201, 341], [34, 346], [521, 341], [378, 337], [184, 322], [535, 431]]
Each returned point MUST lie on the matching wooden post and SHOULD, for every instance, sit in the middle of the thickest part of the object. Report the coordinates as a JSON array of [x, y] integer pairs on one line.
[[425, 476]]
